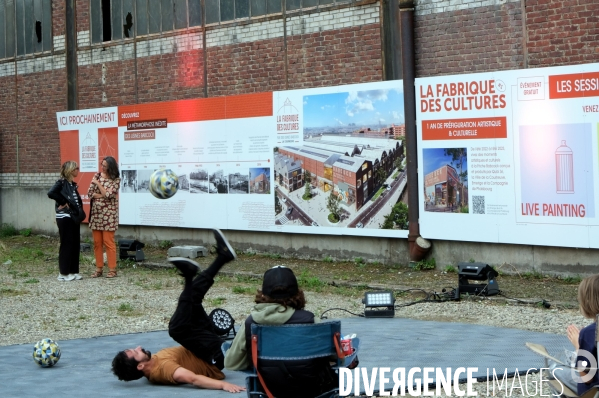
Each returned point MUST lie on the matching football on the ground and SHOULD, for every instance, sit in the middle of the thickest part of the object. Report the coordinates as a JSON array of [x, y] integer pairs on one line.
[[164, 183], [46, 353]]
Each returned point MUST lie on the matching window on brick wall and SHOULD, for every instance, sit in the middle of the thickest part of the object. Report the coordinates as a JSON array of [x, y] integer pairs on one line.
[[121, 19], [228, 10], [25, 27]]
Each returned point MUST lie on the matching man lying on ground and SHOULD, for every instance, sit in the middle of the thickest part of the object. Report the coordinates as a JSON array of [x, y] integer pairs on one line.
[[199, 359]]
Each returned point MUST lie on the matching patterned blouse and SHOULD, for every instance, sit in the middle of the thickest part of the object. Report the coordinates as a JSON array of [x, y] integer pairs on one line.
[[105, 211]]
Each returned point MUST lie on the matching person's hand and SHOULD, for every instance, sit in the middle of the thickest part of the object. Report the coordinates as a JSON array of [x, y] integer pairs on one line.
[[573, 332], [232, 387], [63, 206]]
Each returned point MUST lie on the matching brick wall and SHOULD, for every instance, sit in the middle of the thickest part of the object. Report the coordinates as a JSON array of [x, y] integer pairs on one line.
[[463, 36], [562, 32], [341, 45]]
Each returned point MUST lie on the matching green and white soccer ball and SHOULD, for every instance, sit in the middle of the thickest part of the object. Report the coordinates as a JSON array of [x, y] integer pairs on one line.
[[46, 353], [164, 183]]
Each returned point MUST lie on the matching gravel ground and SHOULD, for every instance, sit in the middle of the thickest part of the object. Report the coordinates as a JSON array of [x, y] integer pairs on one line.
[[97, 307]]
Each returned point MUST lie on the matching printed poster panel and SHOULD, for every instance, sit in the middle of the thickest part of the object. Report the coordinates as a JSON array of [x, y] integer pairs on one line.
[[327, 160], [87, 137], [510, 157]]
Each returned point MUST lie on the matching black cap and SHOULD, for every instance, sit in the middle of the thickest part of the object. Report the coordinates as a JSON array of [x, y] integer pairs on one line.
[[279, 283]]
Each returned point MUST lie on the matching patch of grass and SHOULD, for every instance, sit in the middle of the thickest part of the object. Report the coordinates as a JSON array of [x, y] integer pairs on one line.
[[165, 244], [306, 281], [534, 274], [126, 309], [450, 269], [68, 298], [243, 290], [425, 265], [573, 279], [359, 260], [32, 280], [215, 302], [7, 230], [328, 259], [6, 292], [25, 232], [274, 256]]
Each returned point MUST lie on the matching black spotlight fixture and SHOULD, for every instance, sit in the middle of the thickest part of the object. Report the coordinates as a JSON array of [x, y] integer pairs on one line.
[[131, 245], [223, 322], [379, 304], [477, 272]]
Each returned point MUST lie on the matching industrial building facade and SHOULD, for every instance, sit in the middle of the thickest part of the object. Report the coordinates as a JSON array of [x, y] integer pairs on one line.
[[140, 51]]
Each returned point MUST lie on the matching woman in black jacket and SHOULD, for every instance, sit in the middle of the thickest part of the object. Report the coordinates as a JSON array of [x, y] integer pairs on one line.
[[64, 192]]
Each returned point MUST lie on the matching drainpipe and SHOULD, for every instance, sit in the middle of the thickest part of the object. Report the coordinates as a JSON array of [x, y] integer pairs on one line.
[[418, 246], [71, 53]]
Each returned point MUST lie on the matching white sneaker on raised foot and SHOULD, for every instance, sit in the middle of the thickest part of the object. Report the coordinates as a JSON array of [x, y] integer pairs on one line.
[[64, 278], [77, 277]]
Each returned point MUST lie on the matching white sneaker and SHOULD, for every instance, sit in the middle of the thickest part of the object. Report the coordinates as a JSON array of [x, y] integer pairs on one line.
[[76, 277], [64, 278]]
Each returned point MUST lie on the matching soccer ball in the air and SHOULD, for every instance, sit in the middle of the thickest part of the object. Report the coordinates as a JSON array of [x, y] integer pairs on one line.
[[46, 353], [164, 183]]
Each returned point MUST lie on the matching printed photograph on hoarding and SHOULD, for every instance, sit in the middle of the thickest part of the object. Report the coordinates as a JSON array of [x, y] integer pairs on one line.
[[349, 170], [445, 180]]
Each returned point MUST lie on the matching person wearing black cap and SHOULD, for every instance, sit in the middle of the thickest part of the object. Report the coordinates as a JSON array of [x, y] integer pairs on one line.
[[280, 301]]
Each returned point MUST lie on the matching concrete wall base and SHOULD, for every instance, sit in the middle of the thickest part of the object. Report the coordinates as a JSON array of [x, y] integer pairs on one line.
[[29, 207]]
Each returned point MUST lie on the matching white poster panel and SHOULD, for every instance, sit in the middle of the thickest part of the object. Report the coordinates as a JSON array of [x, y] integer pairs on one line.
[[510, 157], [88, 123], [328, 160]]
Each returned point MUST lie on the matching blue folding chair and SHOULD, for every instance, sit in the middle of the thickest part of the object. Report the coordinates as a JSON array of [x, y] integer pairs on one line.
[[298, 360]]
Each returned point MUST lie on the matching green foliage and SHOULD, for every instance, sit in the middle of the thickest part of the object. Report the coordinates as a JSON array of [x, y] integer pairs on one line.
[[333, 205], [278, 207], [165, 244], [425, 264], [5, 292], [215, 302], [274, 256], [464, 209], [32, 280], [125, 307], [450, 269], [7, 230], [534, 274], [25, 232], [328, 259], [398, 218], [359, 260], [573, 279], [306, 281], [307, 185], [243, 290]]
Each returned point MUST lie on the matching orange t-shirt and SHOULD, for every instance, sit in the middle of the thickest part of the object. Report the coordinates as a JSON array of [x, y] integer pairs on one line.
[[170, 359]]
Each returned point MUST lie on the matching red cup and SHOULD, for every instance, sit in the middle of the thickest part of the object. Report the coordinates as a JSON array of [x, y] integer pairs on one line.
[[346, 347]]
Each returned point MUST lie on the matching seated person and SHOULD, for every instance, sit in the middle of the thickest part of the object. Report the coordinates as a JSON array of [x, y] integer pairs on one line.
[[584, 340], [280, 301], [199, 359]]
